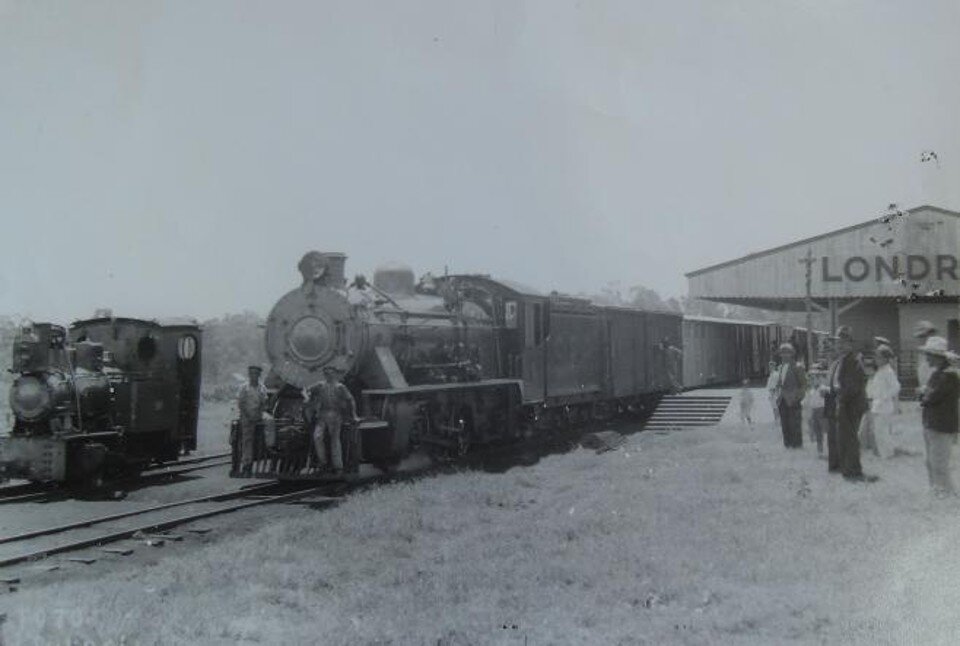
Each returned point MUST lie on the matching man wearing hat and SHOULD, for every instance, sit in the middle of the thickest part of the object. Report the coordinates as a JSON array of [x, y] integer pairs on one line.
[[332, 404], [791, 386], [251, 401], [882, 341], [922, 331], [939, 404], [846, 402]]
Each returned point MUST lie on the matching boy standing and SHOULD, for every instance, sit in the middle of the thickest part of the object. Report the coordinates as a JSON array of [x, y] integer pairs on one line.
[[813, 402], [746, 404]]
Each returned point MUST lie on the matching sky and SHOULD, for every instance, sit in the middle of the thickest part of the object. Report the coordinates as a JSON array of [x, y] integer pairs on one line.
[[178, 158]]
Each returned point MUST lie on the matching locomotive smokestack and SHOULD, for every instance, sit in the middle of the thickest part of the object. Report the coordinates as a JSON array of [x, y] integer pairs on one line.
[[323, 269]]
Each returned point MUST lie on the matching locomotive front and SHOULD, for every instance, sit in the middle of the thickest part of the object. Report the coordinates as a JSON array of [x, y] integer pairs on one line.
[[315, 325], [387, 334], [59, 390], [107, 397]]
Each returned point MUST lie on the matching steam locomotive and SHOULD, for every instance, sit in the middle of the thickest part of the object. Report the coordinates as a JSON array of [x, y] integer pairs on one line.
[[105, 397], [452, 362]]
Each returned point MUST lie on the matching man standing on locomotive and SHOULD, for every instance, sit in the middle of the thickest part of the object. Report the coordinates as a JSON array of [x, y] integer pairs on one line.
[[251, 401], [332, 405]]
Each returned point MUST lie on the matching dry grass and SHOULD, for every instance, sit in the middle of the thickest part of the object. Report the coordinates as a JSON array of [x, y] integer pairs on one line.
[[699, 537]]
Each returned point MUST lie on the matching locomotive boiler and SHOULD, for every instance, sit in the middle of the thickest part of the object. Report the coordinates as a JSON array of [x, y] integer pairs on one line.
[[105, 397], [451, 362]]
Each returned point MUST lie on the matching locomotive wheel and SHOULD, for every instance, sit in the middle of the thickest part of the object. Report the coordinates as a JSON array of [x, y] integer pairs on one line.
[[389, 468], [603, 412]]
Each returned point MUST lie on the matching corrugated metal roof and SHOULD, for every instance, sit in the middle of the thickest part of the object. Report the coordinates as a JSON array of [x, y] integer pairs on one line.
[[804, 241]]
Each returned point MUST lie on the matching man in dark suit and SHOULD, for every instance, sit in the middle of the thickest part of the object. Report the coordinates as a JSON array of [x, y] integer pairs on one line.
[[845, 404], [940, 417], [792, 385]]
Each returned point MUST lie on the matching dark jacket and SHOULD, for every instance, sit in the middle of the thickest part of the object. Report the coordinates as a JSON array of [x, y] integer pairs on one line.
[[793, 387], [852, 395], [940, 402]]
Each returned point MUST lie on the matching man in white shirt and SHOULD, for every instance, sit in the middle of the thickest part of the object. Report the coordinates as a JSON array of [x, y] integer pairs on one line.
[[882, 391]]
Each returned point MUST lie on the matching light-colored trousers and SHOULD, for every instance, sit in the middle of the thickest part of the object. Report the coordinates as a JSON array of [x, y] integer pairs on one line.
[[939, 446], [867, 440], [328, 425], [883, 434]]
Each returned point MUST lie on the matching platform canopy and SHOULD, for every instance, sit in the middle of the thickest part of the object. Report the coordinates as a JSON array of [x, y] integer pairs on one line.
[[916, 251]]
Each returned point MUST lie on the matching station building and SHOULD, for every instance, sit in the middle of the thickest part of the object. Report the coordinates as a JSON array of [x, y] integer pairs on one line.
[[880, 277]]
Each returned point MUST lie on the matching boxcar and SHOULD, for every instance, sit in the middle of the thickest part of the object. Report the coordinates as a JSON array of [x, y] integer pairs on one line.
[[724, 351]]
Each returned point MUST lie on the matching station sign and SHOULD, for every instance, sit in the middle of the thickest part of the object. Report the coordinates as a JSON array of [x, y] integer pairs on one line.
[[888, 268]]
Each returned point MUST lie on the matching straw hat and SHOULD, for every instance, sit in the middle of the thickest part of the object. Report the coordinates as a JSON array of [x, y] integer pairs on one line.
[[786, 347], [935, 345], [881, 340]]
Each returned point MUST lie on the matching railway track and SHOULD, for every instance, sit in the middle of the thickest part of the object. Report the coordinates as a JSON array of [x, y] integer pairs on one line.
[[251, 496], [33, 492]]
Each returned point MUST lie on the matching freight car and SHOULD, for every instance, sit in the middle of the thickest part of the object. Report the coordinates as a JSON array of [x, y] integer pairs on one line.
[[726, 351], [452, 362], [106, 397]]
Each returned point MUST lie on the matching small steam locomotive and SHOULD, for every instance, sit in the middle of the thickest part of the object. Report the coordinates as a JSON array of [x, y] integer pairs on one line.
[[450, 363], [104, 398]]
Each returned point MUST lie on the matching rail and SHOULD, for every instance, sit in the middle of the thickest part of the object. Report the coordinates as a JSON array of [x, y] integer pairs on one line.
[[119, 535]]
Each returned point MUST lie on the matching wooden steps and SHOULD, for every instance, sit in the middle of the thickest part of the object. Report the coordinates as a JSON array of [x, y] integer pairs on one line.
[[687, 411]]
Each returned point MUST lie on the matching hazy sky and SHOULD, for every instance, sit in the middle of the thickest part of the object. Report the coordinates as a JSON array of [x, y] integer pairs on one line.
[[178, 158]]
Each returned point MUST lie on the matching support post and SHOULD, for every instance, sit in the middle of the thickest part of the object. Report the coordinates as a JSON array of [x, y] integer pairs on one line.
[[808, 261]]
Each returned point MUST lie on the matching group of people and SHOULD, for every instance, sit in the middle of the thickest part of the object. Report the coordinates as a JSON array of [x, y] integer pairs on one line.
[[328, 408], [852, 399]]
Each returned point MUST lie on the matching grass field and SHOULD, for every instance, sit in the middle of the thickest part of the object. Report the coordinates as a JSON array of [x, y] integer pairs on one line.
[[697, 537]]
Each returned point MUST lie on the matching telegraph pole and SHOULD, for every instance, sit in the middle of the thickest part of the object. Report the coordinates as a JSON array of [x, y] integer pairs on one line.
[[808, 261]]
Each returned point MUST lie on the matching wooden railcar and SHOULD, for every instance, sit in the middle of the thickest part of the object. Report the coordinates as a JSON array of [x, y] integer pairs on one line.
[[723, 351]]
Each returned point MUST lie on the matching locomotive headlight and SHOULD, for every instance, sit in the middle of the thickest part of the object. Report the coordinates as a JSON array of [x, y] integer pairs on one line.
[[29, 398], [309, 339]]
